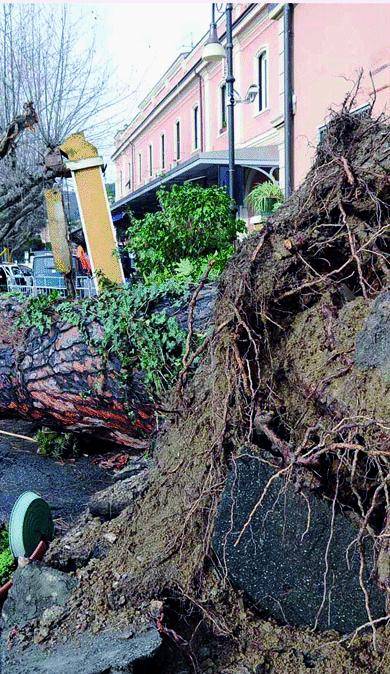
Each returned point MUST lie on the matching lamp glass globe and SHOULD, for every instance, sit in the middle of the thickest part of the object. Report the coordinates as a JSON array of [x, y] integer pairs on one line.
[[212, 52]]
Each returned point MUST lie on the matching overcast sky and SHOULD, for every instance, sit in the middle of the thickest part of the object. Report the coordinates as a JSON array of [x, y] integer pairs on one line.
[[141, 40]]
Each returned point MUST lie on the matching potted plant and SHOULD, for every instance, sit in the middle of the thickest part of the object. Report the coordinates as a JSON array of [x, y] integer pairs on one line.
[[265, 197]]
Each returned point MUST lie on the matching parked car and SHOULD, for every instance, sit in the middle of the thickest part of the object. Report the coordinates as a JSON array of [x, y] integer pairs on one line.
[[47, 278], [12, 278], [27, 273]]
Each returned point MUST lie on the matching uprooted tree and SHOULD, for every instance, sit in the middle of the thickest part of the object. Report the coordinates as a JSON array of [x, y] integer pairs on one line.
[[278, 416], [295, 373]]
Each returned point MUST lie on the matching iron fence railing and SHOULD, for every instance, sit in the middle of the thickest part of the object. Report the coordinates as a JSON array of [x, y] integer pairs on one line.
[[85, 286], [44, 285], [16, 288]]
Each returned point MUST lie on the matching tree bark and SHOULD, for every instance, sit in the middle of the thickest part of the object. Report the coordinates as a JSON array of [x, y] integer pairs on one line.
[[25, 121], [59, 380]]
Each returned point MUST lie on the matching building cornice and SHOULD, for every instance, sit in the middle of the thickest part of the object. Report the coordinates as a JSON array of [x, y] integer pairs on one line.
[[276, 12]]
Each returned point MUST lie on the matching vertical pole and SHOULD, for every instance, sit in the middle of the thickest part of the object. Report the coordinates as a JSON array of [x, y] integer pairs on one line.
[[288, 93], [230, 91]]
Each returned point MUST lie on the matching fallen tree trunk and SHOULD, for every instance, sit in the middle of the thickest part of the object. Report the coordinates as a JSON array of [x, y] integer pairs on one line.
[[59, 379]]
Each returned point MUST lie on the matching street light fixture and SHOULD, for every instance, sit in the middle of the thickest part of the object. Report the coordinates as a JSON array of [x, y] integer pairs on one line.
[[251, 94], [213, 50]]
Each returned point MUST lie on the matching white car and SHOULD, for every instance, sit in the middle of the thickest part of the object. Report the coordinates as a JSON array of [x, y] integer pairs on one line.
[[12, 278]]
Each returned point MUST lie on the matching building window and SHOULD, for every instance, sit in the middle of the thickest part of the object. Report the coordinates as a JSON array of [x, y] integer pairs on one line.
[[177, 140], [196, 127], [163, 151], [129, 175], [139, 167], [262, 65], [150, 160], [121, 182], [223, 107]]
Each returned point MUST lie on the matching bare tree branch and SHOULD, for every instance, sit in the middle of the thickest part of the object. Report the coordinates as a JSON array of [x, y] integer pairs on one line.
[[47, 55]]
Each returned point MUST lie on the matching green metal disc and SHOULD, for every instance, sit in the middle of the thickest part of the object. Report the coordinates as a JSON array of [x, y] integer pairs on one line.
[[30, 523]]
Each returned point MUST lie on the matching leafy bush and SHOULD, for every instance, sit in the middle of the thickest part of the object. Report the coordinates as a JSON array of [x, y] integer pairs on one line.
[[133, 331], [6, 557], [267, 190], [57, 445], [37, 311], [194, 224]]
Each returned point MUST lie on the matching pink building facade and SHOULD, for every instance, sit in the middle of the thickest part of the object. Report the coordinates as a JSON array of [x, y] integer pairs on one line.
[[180, 131]]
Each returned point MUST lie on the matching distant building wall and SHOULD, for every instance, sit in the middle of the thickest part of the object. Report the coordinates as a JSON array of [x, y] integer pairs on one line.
[[332, 42], [255, 127], [174, 100]]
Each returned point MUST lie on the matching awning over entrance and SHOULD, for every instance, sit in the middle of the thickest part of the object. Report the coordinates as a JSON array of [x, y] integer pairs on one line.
[[207, 168]]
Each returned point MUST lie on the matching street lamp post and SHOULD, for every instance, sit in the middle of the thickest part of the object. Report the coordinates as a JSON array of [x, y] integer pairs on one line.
[[213, 51], [230, 79]]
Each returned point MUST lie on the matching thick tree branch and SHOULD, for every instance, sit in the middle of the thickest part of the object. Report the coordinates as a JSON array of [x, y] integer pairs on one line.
[[25, 121]]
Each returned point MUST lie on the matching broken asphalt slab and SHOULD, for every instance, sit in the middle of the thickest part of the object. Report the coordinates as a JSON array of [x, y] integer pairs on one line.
[[290, 561]]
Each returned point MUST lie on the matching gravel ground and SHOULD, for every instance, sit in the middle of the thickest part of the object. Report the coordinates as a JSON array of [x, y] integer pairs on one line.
[[67, 487]]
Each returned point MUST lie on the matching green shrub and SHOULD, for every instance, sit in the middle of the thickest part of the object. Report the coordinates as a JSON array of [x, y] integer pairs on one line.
[[140, 337], [194, 224], [267, 190], [57, 445], [6, 557], [37, 311]]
